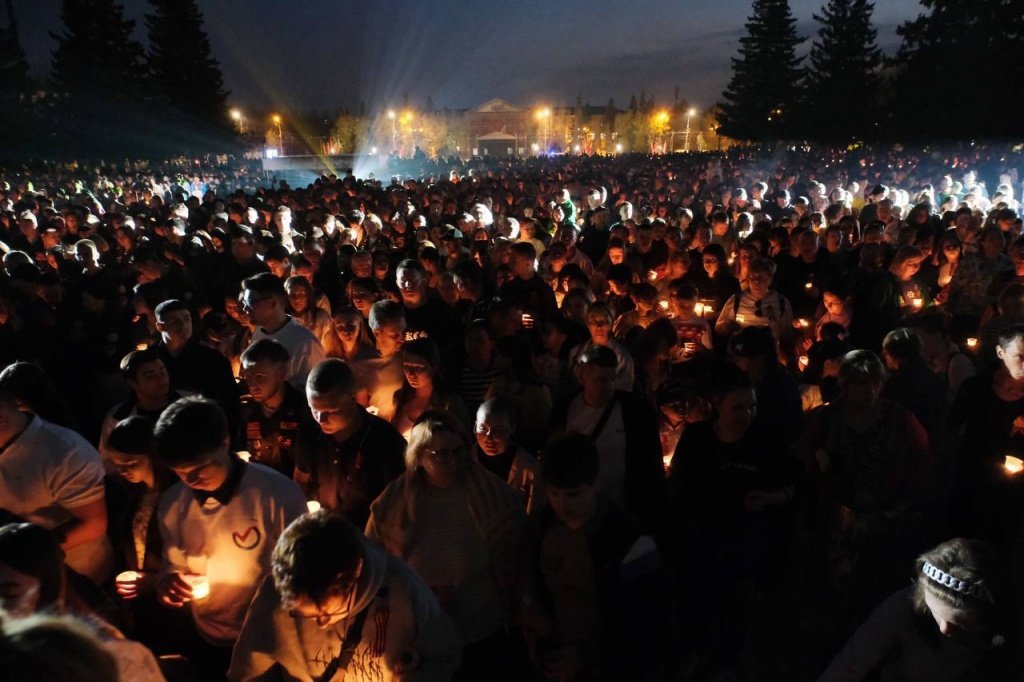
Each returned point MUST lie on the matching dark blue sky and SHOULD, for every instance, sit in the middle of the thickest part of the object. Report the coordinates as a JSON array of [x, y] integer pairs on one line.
[[287, 54]]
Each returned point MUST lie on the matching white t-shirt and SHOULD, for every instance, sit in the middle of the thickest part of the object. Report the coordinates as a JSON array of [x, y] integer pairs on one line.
[[304, 350], [611, 443], [47, 472], [230, 544]]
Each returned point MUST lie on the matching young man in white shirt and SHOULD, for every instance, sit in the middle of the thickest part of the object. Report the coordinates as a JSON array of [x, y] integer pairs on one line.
[[219, 526], [52, 477], [265, 301]]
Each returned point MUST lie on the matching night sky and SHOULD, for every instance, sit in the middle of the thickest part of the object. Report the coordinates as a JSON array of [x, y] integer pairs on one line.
[[324, 54]]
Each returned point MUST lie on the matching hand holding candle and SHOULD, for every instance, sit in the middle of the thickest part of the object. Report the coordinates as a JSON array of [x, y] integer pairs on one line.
[[128, 584]]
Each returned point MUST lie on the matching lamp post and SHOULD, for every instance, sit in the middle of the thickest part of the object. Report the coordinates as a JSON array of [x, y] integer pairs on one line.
[[394, 130], [406, 121], [545, 116], [661, 119], [686, 134], [280, 134], [239, 119]]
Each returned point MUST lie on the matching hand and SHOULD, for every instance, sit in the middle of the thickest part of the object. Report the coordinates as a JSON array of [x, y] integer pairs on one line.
[[173, 591], [130, 589]]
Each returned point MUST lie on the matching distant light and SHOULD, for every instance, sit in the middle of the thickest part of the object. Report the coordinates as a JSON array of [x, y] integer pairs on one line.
[[535, 147], [373, 150], [691, 112], [276, 119], [618, 147], [576, 148], [272, 153], [236, 115], [391, 114]]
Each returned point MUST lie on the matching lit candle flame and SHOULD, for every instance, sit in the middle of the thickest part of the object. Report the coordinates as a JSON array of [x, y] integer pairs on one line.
[[803, 361], [917, 302], [1013, 465], [809, 285], [141, 346], [972, 343], [128, 576], [244, 455], [663, 305], [200, 586], [805, 323], [313, 506]]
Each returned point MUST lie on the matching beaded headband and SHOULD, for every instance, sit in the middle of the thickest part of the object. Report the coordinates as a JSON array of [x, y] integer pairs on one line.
[[939, 576]]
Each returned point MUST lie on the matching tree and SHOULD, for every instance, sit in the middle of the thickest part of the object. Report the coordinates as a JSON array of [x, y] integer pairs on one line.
[[13, 67], [958, 71], [98, 75], [763, 96], [185, 76], [18, 119], [842, 84]]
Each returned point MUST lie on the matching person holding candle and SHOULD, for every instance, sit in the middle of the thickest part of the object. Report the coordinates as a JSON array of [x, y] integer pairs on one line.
[[988, 417], [336, 604], [219, 523], [35, 580], [692, 331]]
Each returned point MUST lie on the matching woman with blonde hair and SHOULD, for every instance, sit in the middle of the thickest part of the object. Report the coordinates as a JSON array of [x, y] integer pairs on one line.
[[956, 622], [459, 527]]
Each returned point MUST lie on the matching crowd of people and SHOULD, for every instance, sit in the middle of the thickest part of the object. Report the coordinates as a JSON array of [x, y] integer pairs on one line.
[[722, 416]]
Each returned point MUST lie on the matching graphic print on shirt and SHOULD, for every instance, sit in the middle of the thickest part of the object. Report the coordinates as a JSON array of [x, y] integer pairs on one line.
[[247, 539]]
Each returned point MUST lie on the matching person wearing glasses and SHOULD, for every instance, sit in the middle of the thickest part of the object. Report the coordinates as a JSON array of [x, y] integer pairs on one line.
[[336, 604], [459, 527], [760, 306], [265, 300]]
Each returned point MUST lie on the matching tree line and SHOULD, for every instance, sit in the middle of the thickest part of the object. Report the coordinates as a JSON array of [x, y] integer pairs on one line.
[[955, 76], [107, 96]]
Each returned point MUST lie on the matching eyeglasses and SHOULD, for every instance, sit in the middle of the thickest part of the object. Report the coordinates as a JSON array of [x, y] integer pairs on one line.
[[493, 431], [444, 454], [322, 619]]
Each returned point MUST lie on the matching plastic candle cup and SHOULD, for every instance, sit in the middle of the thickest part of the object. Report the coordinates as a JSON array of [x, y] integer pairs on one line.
[[803, 361], [200, 586], [1013, 465], [244, 455], [972, 343], [313, 506]]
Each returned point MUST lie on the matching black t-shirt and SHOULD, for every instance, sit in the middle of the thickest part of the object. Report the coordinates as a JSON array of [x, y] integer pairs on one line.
[[349, 475], [271, 440], [434, 320], [499, 465]]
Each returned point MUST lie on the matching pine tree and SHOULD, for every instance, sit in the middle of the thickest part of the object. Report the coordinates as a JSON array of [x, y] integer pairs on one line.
[[763, 96], [181, 65], [958, 71], [842, 85], [13, 67], [97, 72]]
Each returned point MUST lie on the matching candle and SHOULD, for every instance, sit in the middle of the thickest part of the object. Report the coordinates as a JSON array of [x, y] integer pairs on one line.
[[741, 318], [663, 305], [1013, 465], [809, 285], [972, 343], [689, 347], [917, 302], [804, 323], [200, 586], [141, 346], [244, 455], [803, 361], [373, 409], [652, 275], [313, 506], [127, 577], [698, 309]]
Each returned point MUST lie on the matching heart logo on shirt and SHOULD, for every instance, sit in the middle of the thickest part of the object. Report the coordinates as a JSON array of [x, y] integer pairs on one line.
[[248, 539]]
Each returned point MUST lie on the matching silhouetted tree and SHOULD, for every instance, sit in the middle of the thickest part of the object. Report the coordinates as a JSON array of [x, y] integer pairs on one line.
[[842, 84], [763, 96], [185, 75], [958, 71], [98, 76]]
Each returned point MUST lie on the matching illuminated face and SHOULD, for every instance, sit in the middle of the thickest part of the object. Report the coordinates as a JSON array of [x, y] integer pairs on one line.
[[337, 606], [280, 268], [417, 371], [737, 409], [298, 297], [834, 304], [329, 411], [390, 338], [176, 326], [616, 255], [443, 459], [19, 593], [347, 327], [1012, 355], [208, 473], [760, 283], [132, 468], [574, 506], [493, 432], [951, 622], [411, 285], [910, 268], [151, 382], [683, 307], [265, 379], [599, 326]]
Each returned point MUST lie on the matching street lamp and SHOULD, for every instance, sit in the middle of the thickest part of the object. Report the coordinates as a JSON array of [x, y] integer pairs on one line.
[[661, 119], [280, 134], [239, 119], [394, 131], [545, 116], [686, 135]]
